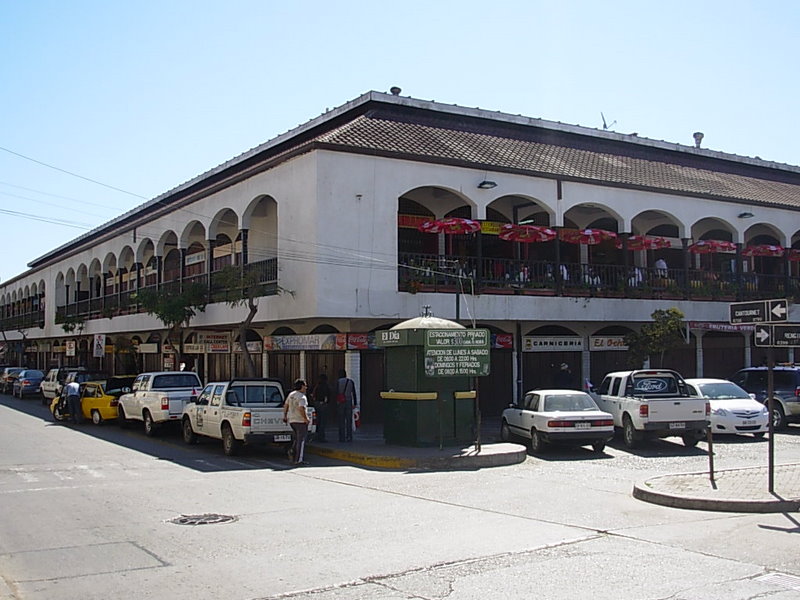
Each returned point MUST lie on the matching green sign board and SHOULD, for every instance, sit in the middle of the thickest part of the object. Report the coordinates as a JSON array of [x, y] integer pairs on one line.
[[457, 352]]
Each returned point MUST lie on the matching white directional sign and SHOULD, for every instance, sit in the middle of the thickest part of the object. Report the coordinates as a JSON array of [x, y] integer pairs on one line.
[[777, 335], [760, 311]]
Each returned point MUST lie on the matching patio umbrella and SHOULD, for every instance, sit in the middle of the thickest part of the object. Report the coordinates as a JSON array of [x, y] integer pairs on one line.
[[526, 233], [588, 237], [709, 246], [451, 225], [763, 250], [642, 242], [793, 254]]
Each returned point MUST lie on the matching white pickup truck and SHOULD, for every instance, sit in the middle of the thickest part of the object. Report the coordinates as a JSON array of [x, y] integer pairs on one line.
[[653, 403], [158, 398], [238, 412]]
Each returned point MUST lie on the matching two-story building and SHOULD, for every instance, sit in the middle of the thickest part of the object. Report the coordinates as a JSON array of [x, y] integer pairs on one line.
[[559, 239]]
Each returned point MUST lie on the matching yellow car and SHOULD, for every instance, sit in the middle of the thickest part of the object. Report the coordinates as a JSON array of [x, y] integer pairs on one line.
[[98, 399]]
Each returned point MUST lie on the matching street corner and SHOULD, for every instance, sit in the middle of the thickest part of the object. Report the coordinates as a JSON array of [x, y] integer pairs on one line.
[[736, 490]]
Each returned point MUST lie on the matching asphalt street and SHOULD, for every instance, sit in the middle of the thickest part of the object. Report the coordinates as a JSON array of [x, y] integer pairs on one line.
[[95, 512]]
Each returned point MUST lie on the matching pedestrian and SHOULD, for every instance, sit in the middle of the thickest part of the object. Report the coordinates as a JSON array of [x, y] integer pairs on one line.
[[295, 413], [346, 401], [563, 378], [661, 268], [322, 396], [73, 393]]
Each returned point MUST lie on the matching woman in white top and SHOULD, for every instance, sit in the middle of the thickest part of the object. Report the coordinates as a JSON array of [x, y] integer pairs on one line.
[[295, 413]]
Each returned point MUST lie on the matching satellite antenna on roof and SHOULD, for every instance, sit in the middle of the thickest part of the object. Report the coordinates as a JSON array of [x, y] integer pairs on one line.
[[606, 126]]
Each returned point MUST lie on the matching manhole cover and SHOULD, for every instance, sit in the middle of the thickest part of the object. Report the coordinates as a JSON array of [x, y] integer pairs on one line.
[[206, 519]]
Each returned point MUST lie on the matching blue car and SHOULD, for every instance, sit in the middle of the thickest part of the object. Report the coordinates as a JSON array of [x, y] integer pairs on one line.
[[27, 382]]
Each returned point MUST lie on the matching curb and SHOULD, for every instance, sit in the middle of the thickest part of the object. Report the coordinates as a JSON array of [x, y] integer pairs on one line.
[[645, 491], [498, 455]]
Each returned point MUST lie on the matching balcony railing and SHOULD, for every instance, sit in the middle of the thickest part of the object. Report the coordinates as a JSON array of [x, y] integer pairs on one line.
[[125, 302], [425, 272]]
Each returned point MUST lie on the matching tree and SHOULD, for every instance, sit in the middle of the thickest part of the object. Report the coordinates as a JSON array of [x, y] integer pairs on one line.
[[174, 310], [655, 339], [237, 288]]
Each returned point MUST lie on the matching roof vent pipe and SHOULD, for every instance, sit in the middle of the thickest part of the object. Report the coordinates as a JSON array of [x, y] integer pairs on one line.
[[698, 137], [395, 90]]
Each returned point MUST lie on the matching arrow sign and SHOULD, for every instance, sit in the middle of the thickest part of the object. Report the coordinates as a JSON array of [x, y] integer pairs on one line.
[[763, 334], [786, 335], [759, 311], [778, 310]]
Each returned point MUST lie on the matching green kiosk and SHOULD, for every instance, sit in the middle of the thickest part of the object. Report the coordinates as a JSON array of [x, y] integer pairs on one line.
[[431, 364]]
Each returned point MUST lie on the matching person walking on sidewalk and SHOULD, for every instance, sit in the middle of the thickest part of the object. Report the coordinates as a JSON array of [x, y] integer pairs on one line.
[[295, 413], [346, 401], [322, 396]]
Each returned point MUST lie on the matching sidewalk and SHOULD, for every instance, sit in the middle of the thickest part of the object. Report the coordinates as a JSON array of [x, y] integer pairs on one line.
[[733, 490], [369, 449]]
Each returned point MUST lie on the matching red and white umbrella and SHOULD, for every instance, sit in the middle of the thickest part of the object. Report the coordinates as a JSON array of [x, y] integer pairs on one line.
[[451, 225], [793, 254], [588, 237], [710, 246], [526, 233], [763, 250], [643, 242]]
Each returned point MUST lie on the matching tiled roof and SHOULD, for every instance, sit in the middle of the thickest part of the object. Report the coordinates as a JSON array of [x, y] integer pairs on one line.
[[469, 148]]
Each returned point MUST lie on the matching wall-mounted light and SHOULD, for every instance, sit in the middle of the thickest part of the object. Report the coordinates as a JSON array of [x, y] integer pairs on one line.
[[487, 185], [745, 215]]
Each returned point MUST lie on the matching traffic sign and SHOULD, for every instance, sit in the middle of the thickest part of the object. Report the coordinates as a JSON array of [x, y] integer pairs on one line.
[[759, 311], [777, 335]]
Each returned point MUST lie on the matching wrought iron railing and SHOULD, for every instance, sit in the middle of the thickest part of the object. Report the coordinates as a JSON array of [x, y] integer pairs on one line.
[[425, 272]]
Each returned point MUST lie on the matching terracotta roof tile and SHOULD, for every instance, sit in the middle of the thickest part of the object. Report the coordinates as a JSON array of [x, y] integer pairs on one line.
[[429, 142]]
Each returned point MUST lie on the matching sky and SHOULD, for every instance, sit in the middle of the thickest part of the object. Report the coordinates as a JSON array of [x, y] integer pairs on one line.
[[105, 105]]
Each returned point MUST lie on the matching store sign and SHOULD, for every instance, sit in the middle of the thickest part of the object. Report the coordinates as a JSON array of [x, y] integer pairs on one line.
[[99, 345], [552, 343], [457, 352], [706, 326], [148, 348], [197, 257], [607, 342], [69, 347], [253, 347], [194, 348], [502, 340], [392, 337]]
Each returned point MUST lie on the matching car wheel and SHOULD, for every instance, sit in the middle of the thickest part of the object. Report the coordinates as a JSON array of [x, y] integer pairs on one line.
[[629, 434], [505, 433], [759, 434], [690, 439], [189, 436], [230, 444], [122, 418], [96, 418], [778, 416], [599, 447], [57, 415], [537, 442], [149, 426]]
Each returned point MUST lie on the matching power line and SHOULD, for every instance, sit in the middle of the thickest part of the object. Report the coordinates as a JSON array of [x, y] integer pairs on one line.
[[44, 164]]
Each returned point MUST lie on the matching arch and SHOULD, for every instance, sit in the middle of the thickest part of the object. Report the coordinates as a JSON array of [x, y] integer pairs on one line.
[[657, 222], [260, 220], [145, 250], [283, 331], [517, 208], [764, 233], [110, 263], [194, 231], [587, 214], [707, 228], [440, 200], [167, 241], [60, 290], [324, 328], [226, 222]]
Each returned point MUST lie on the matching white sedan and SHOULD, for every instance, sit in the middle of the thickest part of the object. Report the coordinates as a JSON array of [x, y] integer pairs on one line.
[[557, 417], [732, 409]]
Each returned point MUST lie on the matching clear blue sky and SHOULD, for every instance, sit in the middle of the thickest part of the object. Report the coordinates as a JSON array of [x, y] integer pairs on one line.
[[145, 95]]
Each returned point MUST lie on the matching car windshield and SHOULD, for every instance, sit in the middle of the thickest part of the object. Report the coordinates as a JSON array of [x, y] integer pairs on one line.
[[722, 391], [569, 402]]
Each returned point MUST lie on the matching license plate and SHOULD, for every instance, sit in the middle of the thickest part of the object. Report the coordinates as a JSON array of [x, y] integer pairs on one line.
[[283, 438], [677, 425], [748, 422], [583, 425]]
